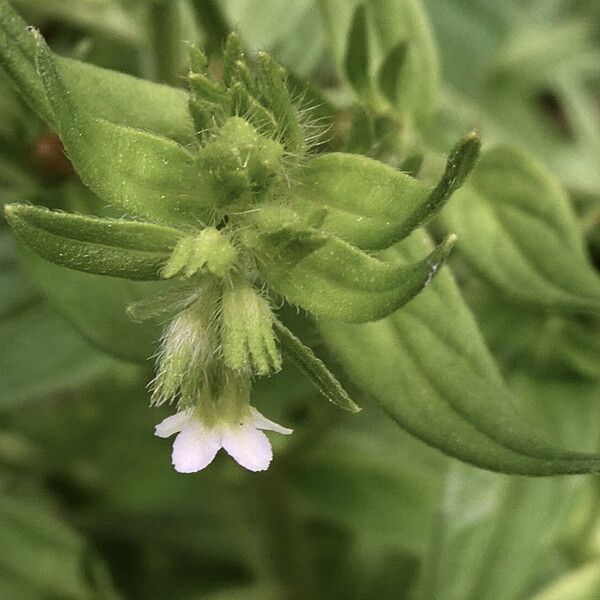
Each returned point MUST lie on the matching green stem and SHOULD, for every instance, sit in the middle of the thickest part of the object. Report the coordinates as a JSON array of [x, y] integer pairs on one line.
[[213, 25], [285, 542], [166, 42]]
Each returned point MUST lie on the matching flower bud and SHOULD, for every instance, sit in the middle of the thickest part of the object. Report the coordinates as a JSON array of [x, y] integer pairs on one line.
[[248, 339], [209, 251], [240, 160], [188, 365]]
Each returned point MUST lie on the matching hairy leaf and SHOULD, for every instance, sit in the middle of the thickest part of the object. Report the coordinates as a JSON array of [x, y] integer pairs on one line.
[[372, 205], [163, 109], [313, 368], [517, 231], [143, 173], [428, 367], [128, 249], [331, 278]]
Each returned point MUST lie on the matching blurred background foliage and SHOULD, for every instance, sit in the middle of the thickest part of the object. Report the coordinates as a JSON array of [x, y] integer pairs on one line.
[[353, 507]]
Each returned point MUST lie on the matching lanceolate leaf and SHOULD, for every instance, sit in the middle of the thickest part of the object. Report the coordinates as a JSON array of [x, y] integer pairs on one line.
[[372, 205], [331, 278], [314, 368], [390, 22], [96, 306], [159, 109], [143, 173], [390, 71], [357, 53], [508, 528], [428, 367], [114, 247], [519, 233]]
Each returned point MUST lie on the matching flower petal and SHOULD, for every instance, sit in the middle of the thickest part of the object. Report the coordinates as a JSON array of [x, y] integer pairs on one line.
[[261, 422], [173, 424], [248, 446], [195, 447]]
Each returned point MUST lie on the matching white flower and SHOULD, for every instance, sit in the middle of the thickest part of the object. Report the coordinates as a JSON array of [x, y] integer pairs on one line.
[[198, 443]]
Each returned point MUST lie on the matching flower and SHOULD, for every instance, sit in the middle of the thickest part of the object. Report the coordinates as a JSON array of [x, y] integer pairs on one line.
[[199, 440]]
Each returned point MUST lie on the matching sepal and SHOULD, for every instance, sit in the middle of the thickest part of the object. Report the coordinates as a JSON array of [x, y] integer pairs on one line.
[[247, 336]]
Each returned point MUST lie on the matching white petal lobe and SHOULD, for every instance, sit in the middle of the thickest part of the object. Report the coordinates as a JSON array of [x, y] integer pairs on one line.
[[248, 446], [261, 422], [195, 448], [173, 424]]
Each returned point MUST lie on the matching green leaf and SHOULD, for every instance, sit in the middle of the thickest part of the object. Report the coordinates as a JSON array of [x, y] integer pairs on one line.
[[45, 356], [370, 204], [390, 23], [331, 278], [429, 369], [128, 249], [389, 76], [361, 139], [582, 583], [142, 173], [506, 530], [357, 61], [367, 461], [96, 306], [163, 111], [314, 368], [40, 555], [518, 231], [406, 21]]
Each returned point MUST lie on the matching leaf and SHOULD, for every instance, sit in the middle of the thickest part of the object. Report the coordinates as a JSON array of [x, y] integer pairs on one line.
[[362, 131], [372, 205], [44, 356], [119, 248], [367, 460], [40, 355], [331, 278], [507, 530], [40, 555], [389, 76], [428, 368], [580, 584], [357, 61], [96, 306], [142, 173], [163, 110], [313, 368], [519, 233], [391, 22]]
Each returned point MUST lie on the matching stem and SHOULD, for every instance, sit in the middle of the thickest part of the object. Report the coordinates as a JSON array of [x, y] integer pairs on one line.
[[165, 40], [285, 541], [213, 25]]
